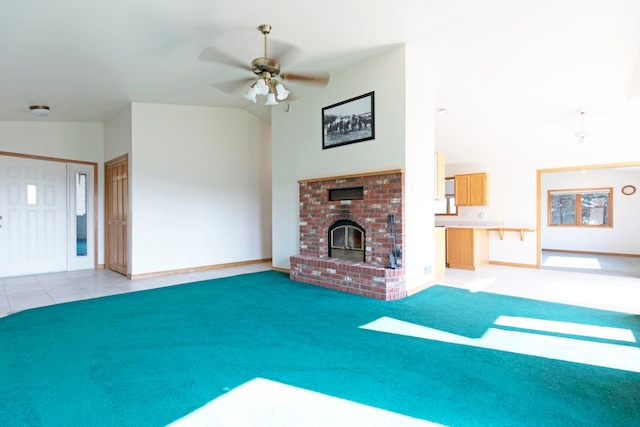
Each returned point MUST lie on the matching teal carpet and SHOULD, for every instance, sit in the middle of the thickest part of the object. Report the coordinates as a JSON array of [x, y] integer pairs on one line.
[[149, 358]]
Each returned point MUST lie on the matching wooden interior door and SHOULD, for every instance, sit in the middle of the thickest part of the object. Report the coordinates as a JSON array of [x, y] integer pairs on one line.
[[116, 215]]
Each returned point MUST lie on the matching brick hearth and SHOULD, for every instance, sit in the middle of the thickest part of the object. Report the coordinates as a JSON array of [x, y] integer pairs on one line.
[[383, 194]]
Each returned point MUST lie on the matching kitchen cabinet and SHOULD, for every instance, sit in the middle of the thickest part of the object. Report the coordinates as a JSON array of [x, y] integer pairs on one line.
[[471, 189], [467, 248]]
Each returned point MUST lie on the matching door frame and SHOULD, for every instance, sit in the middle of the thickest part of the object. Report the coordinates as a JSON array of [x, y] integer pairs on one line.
[[95, 191], [565, 169]]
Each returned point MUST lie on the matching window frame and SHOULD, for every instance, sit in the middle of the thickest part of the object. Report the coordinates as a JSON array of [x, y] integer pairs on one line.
[[450, 201], [578, 192]]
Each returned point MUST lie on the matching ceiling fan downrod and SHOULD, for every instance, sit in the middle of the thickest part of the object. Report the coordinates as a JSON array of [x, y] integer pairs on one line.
[[265, 29], [265, 67]]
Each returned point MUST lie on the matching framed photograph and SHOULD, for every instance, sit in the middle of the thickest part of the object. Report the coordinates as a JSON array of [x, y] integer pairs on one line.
[[348, 121]]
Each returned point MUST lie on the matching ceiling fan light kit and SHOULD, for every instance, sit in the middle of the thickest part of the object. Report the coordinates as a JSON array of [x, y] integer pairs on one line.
[[271, 99], [282, 92], [250, 94], [261, 87]]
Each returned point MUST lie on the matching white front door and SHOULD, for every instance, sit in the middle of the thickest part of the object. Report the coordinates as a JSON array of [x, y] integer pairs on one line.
[[33, 207]]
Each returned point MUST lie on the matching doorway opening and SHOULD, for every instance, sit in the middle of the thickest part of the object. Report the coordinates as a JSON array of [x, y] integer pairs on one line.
[[587, 247]]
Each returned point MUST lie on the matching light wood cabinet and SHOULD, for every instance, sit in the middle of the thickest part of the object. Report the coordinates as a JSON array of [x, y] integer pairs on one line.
[[471, 189], [467, 248]]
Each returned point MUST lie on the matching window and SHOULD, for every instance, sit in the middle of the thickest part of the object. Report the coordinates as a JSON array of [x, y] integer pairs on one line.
[[448, 205], [31, 194], [588, 207], [81, 214]]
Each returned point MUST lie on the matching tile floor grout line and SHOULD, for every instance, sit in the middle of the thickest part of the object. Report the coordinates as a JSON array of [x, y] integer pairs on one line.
[[53, 301], [6, 296]]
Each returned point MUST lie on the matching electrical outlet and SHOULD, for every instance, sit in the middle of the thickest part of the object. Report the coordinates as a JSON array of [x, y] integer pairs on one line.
[[427, 270], [481, 215]]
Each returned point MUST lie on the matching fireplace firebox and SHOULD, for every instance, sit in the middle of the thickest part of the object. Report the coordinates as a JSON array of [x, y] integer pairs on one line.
[[346, 241]]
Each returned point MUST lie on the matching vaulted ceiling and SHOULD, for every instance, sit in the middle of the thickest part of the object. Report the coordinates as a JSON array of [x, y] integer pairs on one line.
[[513, 74]]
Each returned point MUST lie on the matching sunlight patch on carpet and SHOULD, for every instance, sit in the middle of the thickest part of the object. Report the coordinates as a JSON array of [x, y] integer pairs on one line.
[[265, 403], [567, 328], [606, 355]]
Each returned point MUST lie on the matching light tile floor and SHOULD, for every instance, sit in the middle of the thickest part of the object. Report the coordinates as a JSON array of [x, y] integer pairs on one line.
[[610, 265], [598, 291], [24, 292], [588, 290]]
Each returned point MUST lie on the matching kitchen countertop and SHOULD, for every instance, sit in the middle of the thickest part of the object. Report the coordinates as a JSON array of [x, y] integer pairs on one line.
[[467, 224], [486, 225]]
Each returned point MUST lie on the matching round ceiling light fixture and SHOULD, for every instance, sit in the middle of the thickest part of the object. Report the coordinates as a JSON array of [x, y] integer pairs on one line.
[[40, 110]]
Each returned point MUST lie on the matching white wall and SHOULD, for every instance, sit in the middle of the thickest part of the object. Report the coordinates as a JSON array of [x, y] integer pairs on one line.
[[419, 165], [73, 141], [117, 134], [61, 140], [297, 140], [622, 238], [200, 181], [117, 142]]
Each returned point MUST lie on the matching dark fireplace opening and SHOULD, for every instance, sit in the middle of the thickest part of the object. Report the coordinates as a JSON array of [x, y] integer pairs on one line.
[[346, 241]]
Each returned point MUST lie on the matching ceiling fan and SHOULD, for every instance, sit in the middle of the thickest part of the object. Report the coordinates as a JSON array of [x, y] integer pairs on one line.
[[583, 139], [267, 74]]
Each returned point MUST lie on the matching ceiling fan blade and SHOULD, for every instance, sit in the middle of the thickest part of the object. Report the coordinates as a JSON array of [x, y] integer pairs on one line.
[[211, 54], [234, 87], [290, 98], [284, 53], [314, 79]]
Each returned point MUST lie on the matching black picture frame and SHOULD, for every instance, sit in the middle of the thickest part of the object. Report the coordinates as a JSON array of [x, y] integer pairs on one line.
[[349, 121]]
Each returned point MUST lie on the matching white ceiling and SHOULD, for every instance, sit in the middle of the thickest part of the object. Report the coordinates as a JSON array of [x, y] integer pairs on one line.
[[513, 74]]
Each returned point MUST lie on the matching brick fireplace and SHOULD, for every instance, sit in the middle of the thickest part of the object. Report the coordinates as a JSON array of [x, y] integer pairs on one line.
[[372, 203]]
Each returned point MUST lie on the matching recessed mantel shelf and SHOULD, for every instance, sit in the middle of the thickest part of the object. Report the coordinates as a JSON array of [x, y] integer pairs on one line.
[[522, 230]]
